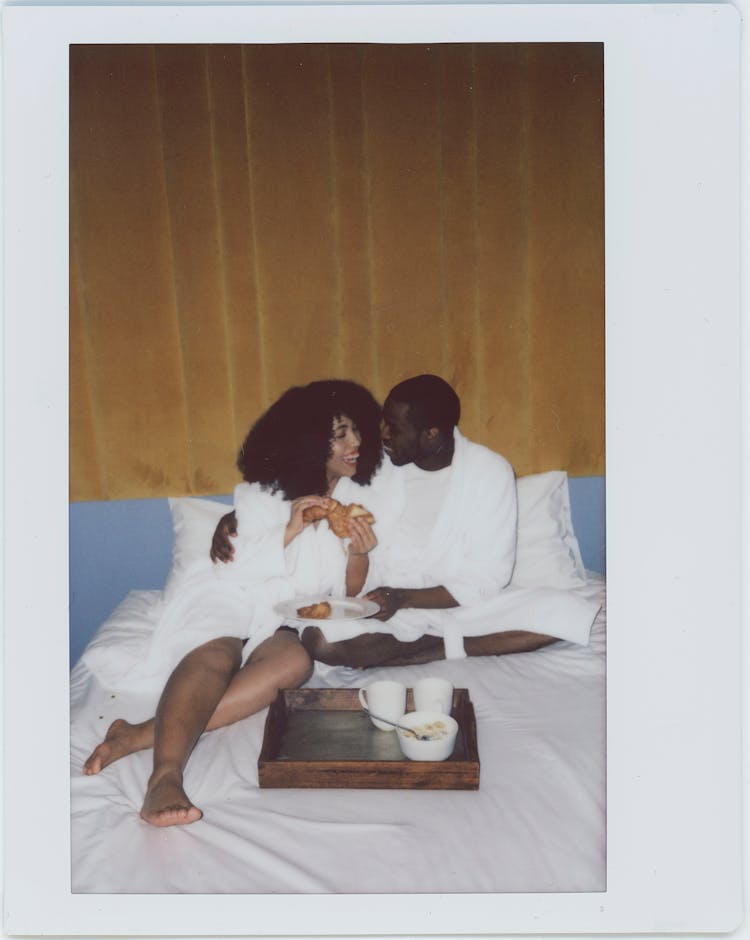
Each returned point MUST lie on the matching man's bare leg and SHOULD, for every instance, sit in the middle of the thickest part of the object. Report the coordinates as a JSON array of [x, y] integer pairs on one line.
[[429, 649], [383, 649], [372, 649], [277, 663], [510, 641]]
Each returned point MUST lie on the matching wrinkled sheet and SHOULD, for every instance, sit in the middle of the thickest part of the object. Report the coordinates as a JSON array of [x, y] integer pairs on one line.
[[536, 824]]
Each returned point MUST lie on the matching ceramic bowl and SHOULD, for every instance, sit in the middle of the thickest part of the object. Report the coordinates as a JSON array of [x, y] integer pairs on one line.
[[442, 728]]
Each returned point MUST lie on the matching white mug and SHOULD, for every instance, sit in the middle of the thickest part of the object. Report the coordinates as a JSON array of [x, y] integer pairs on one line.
[[386, 699], [433, 695]]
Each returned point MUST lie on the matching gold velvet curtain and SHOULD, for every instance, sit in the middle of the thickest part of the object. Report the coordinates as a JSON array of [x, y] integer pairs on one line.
[[245, 218]]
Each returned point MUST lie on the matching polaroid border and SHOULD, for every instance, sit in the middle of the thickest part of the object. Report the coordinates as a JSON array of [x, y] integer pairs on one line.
[[673, 441]]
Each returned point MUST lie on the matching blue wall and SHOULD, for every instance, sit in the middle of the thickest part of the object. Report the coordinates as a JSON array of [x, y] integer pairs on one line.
[[588, 509], [115, 547], [122, 545]]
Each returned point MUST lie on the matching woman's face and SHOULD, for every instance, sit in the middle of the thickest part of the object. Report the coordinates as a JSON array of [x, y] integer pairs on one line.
[[344, 453]]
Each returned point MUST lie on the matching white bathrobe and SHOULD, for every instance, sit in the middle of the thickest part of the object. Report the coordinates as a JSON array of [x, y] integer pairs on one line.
[[470, 552], [208, 600]]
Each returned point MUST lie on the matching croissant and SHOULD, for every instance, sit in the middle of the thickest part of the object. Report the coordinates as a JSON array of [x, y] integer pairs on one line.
[[315, 611], [316, 513], [338, 516]]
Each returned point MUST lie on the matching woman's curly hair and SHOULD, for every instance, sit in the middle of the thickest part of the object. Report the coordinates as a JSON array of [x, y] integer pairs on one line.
[[288, 446]]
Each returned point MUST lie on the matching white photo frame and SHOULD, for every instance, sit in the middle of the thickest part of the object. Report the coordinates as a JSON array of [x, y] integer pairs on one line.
[[674, 540]]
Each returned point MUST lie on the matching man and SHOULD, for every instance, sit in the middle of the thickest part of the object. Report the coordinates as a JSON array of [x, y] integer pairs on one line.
[[446, 522]]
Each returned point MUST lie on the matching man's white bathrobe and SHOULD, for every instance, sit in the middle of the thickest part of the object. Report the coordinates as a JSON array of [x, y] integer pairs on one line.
[[470, 552]]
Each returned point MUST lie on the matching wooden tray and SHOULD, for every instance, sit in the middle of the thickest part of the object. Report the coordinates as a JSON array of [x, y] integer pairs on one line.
[[317, 738]]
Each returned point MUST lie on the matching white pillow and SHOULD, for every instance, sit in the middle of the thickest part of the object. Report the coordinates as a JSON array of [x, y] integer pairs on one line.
[[547, 552], [194, 521]]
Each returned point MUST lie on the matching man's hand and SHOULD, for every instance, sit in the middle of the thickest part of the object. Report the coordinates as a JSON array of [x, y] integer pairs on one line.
[[389, 599], [221, 545], [393, 599]]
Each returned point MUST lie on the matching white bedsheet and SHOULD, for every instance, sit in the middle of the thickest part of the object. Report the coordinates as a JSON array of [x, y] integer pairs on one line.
[[536, 824]]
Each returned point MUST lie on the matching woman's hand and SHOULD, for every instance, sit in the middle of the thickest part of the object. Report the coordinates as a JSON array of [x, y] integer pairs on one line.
[[296, 523], [362, 539]]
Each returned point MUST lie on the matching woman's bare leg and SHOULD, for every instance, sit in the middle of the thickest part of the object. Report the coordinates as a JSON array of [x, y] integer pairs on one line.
[[280, 662], [186, 704]]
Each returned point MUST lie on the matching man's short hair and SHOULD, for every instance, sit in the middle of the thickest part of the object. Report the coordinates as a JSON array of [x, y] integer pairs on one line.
[[431, 400]]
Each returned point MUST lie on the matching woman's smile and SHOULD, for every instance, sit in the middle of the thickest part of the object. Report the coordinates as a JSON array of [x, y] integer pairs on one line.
[[344, 454], [343, 465]]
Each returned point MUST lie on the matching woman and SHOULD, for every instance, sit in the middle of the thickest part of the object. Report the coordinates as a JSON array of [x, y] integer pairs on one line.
[[219, 625]]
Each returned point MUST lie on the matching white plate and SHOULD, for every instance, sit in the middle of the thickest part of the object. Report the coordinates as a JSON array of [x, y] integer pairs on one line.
[[342, 608]]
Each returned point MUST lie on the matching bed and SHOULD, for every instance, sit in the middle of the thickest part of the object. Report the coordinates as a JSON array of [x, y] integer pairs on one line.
[[536, 823]]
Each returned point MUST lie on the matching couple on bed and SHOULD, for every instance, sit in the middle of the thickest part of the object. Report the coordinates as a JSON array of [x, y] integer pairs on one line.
[[437, 560]]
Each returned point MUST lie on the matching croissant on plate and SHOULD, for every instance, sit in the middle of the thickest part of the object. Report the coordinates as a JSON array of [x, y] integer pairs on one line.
[[338, 515], [319, 611]]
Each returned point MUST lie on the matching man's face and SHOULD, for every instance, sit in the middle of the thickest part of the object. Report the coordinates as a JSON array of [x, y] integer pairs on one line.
[[401, 440]]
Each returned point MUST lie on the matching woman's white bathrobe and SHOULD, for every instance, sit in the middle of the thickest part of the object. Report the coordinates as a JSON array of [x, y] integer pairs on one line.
[[208, 600], [470, 552]]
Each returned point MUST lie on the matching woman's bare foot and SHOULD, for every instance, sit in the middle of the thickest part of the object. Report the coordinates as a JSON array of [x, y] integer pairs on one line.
[[122, 739], [166, 803]]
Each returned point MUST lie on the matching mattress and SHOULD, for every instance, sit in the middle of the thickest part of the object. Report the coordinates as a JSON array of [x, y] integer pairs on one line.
[[536, 823]]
